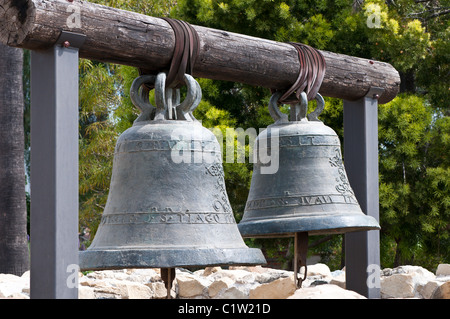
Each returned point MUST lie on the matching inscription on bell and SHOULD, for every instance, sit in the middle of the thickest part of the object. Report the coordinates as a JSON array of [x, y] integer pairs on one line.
[[166, 145], [168, 218], [307, 140], [299, 201]]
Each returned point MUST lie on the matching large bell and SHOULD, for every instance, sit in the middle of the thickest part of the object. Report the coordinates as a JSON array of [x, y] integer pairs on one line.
[[167, 205], [308, 191]]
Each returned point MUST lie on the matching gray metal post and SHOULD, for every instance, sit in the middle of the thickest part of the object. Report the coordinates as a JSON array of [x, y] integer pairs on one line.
[[54, 170], [362, 249]]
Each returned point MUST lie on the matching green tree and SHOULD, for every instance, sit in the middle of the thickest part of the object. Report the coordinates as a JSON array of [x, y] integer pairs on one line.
[[97, 138], [414, 192]]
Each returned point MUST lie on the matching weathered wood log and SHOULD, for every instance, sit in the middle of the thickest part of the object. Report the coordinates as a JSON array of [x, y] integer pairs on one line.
[[129, 38]]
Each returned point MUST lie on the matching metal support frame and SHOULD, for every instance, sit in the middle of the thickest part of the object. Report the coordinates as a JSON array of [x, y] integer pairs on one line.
[[362, 249], [54, 169], [54, 175]]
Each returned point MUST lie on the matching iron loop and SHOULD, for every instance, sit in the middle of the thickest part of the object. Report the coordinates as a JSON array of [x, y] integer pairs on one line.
[[278, 116], [298, 110], [167, 100], [160, 98], [299, 281], [192, 100], [139, 97], [313, 116]]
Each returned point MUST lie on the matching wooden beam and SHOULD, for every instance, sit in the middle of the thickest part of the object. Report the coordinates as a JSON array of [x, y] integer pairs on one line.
[[129, 38]]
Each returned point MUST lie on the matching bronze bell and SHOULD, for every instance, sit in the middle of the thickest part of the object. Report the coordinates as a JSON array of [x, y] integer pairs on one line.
[[167, 205], [308, 193]]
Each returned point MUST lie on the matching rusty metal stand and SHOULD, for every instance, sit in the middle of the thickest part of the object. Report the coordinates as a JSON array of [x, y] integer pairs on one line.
[[300, 252], [168, 276]]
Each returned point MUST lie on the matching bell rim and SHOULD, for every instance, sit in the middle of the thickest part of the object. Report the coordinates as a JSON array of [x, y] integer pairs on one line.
[[313, 225], [107, 259]]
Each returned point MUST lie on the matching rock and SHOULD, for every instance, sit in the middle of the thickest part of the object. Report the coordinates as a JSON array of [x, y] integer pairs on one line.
[[133, 290], [13, 285], [189, 285], [85, 292], [271, 274], [254, 269], [210, 270], [443, 270], [241, 283], [386, 272], [93, 283], [327, 291], [338, 278], [107, 290], [26, 290], [404, 282], [421, 272], [398, 286], [237, 275], [219, 285], [426, 291], [26, 275], [238, 281], [442, 292], [18, 295], [443, 278], [318, 282], [142, 275], [277, 289], [232, 293], [159, 290], [318, 271]]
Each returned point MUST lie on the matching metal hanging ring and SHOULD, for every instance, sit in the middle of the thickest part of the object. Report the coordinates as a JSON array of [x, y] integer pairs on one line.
[[167, 100], [301, 108], [160, 97], [278, 116], [298, 110], [197, 100], [299, 281], [137, 97], [192, 100], [313, 116]]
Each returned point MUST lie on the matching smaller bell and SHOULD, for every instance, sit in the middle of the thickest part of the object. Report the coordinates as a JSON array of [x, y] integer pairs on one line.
[[309, 192]]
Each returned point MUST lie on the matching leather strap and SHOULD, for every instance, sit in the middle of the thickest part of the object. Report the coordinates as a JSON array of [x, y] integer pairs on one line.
[[187, 46], [310, 77]]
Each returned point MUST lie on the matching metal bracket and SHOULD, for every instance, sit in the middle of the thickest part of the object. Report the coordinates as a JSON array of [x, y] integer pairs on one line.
[[71, 39], [374, 92]]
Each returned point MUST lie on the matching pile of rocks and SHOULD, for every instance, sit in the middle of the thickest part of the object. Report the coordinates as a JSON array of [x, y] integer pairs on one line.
[[243, 283], [416, 282]]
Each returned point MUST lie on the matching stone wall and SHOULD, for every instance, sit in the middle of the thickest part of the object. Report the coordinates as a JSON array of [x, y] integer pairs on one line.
[[243, 283]]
